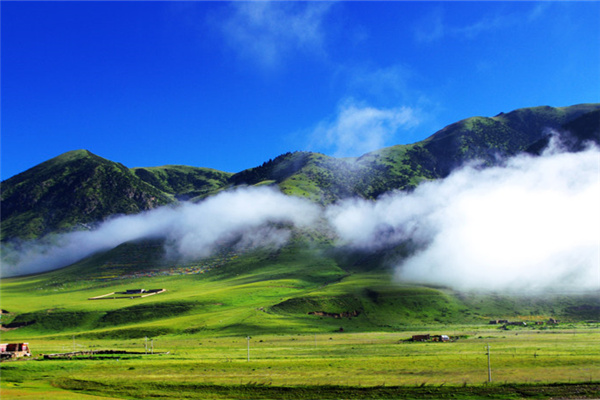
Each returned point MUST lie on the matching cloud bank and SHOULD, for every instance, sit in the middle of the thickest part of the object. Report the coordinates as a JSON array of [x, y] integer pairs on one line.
[[530, 225], [250, 218]]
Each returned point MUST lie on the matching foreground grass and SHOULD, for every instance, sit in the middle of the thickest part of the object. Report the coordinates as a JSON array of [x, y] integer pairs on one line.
[[253, 391], [541, 364]]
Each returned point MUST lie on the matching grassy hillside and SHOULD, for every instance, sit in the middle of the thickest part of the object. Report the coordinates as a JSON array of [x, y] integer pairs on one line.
[[325, 179], [300, 288], [182, 181], [503, 135], [307, 320], [72, 190], [315, 315]]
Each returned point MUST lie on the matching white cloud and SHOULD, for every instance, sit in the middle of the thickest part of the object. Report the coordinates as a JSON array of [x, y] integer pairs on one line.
[[529, 226], [250, 218], [266, 32], [434, 27], [358, 129]]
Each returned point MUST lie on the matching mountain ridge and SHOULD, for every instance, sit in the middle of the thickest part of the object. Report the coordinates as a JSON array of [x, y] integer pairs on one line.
[[79, 188]]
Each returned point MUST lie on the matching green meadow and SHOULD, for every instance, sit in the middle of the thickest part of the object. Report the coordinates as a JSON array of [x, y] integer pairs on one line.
[[545, 364], [299, 322]]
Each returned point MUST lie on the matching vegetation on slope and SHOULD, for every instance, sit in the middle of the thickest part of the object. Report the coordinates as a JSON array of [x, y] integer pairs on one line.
[[182, 181], [303, 287], [74, 189], [487, 139]]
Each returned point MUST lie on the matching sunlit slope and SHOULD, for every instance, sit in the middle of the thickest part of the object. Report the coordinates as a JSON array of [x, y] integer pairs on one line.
[[325, 179], [299, 288]]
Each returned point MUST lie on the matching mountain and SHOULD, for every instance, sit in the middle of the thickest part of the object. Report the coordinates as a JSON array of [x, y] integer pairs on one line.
[[327, 179], [487, 139], [72, 190], [79, 188]]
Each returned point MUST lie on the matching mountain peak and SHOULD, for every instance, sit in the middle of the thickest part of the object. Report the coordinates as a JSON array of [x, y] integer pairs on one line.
[[74, 188], [76, 154]]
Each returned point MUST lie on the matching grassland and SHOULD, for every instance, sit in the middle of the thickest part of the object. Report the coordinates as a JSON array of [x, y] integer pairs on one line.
[[200, 325], [541, 364]]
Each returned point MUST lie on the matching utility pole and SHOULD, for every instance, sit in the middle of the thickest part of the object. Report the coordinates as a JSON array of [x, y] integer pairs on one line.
[[146, 345], [152, 345], [248, 346], [489, 364]]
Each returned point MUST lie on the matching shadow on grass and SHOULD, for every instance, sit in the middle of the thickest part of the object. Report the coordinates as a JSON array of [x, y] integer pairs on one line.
[[254, 390]]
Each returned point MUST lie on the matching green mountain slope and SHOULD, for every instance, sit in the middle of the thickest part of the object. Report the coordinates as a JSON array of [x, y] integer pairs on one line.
[[503, 135], [302, 287], [182, 181], [308, 285], [326, 179], [585, 128], [73, 189]]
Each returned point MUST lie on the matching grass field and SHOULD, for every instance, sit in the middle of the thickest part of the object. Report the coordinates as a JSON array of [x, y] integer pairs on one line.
[[199, 328], [341, 365]]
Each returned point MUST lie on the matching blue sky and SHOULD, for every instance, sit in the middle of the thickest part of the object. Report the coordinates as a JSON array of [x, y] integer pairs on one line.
[[230, 85]]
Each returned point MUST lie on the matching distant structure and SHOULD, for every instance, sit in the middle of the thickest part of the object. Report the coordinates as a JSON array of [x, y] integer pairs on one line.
[[421, 338], [129, 294], [550, 321], [135, 291], [14, 350], [430, 338]]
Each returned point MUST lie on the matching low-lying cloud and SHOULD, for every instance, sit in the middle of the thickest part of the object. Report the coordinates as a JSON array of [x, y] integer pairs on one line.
[[250, 218], [529, 225]]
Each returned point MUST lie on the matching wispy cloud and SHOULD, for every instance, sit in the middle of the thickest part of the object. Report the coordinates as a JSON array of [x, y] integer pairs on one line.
[[385, 84], [435, 27], [359, 128], [267, 33]]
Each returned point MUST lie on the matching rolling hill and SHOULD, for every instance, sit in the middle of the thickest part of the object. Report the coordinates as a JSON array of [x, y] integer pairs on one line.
[[302, 287]]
